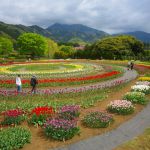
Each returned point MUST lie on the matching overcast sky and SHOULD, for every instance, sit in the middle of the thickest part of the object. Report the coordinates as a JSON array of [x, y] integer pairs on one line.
[[112, 16]]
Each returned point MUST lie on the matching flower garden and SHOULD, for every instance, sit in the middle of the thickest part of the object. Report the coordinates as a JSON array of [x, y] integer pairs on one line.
[[74, 100], [57, 74]]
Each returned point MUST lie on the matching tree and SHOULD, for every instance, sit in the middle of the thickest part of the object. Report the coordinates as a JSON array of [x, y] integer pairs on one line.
[[65, 52], [66, 49], [6, 46], [60, 54], [51, 49], [32, 44], [116, 47]]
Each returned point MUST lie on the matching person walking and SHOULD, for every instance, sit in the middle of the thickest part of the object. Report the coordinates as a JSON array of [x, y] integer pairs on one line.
[[131, 65], [33, 83], [18, 83]]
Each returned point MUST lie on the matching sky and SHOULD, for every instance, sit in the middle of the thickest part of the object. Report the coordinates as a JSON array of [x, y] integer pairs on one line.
[[112, 16]]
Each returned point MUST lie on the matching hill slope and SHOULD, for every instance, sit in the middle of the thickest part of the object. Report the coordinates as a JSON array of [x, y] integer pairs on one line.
[[143, 36], [14, 31], [66, 33]]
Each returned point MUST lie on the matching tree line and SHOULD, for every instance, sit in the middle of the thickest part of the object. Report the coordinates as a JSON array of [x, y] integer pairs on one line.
[[117, 47], [31, 45]]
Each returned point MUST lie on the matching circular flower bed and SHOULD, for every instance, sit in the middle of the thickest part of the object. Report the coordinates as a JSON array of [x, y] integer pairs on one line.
[[61, 129], [14, 138], [97, 119], [57, 74], [135, 97], [121, 107], [141, 88], [49, 69]]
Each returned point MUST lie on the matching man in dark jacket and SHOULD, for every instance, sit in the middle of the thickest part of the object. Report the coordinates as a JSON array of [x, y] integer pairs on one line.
[[33, 83], [132, 65]]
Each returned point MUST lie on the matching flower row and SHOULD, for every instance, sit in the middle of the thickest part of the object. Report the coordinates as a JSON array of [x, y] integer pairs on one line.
[[99, 76], [50, 61], [144, 79], [65, 90]]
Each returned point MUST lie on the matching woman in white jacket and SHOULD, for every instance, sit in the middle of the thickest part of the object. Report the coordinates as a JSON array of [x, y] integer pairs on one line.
[[18, 83]]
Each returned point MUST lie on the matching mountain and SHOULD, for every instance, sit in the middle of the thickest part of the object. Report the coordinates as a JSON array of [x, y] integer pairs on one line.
[[13, 31], [75, 33], [143, 36], [39, 30], [58, 32], [66, 33]]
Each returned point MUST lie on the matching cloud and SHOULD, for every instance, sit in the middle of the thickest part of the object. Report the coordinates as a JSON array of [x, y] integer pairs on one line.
[[112, 16]]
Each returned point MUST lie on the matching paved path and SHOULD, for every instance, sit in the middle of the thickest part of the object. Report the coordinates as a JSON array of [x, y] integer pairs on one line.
[[127, 76], [114, 138]]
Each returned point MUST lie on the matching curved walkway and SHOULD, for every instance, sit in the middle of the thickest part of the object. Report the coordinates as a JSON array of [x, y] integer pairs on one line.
[[116, 137], [127, 76]]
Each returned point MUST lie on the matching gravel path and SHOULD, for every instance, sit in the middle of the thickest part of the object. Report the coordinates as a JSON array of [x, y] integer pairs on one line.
[[114, 138], [127, 76]]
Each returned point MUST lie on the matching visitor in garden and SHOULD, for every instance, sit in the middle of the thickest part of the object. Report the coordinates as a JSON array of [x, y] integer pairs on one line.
[[18, 83], [33, 83], [131, 65]]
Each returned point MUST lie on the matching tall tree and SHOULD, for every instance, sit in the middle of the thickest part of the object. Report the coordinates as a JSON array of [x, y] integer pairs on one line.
[[6, 46], [51, 49], [65, 52], [32, 44], [116, 47]]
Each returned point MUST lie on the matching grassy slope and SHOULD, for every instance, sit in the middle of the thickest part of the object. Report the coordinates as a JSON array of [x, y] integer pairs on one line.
[[139, 143]]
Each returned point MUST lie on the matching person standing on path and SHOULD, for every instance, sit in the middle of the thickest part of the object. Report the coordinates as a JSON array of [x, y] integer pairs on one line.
[[132, 65], [18, 83], [33, 83], [129, 65]]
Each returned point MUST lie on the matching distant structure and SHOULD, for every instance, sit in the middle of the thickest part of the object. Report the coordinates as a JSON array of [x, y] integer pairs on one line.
[[80, 47]]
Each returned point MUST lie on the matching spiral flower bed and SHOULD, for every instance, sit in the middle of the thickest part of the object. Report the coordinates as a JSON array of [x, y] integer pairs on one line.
[[56, 74], [77, 79], [46, 69], [95, 81]]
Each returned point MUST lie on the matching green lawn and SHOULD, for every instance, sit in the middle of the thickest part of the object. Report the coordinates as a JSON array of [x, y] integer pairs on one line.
[[41, 67]]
